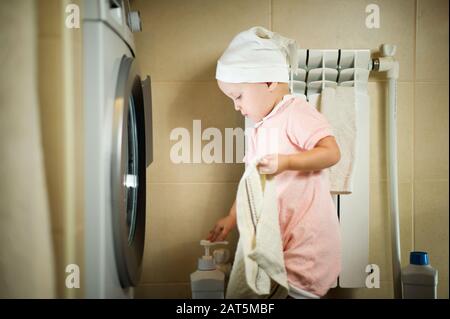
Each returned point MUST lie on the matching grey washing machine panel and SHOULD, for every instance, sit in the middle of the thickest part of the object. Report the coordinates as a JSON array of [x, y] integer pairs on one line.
[[131, 154], [114, 13]]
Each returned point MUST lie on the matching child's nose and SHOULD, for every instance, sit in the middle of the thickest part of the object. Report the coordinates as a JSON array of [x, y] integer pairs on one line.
[[237, 107]]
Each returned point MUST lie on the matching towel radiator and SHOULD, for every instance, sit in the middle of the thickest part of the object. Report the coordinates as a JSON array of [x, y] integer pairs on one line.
[[320, 68], [330, 68]]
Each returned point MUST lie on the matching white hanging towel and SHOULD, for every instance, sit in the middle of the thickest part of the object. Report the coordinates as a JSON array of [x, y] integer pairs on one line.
[[259, 258], [338, 105]]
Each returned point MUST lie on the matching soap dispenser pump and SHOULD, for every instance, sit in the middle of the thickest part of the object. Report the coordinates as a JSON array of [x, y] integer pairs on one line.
[[208, 282]]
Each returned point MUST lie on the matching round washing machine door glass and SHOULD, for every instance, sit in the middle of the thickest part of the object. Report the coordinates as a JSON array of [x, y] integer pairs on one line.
[[128, 173]]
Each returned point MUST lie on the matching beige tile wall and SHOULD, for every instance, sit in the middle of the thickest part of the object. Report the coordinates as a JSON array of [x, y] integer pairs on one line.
[[179, 47], [50, 66], [59, 84], [430, 196], [26, 257]]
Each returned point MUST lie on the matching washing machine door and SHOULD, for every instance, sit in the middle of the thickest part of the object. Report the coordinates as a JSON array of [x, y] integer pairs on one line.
[[128, 171]]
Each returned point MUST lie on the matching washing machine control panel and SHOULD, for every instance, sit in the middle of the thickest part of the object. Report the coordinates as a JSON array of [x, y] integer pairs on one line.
[[117, 14]]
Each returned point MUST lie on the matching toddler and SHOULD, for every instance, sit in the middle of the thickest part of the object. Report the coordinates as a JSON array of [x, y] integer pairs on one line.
[[255, 72]]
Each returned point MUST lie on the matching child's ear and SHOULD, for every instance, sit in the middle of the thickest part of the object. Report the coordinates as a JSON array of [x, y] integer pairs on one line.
[[271, 85]]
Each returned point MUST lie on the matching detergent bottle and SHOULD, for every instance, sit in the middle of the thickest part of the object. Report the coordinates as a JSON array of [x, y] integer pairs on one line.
[[419, 279]]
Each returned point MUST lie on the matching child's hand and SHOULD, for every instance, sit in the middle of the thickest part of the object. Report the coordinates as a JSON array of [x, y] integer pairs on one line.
[[221, 229], [273, 164]]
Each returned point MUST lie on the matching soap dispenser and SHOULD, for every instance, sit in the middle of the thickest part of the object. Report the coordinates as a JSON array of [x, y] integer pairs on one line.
[[208, 282]]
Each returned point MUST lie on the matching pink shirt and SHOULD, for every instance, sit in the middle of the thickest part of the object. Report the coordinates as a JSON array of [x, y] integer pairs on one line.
[[307, 214]]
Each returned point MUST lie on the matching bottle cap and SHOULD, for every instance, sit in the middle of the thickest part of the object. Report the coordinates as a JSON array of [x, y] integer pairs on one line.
[[221, 256], [418, 258], [206, 262]]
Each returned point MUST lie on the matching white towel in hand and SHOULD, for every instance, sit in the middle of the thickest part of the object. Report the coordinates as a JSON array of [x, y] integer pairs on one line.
[[339, 107], [259, 260]]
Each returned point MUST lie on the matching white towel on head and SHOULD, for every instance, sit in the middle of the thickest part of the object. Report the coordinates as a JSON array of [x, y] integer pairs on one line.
[[339, 107], [258, 55], [259, 261]]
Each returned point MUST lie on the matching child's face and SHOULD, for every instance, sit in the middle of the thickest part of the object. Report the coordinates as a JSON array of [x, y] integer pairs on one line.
[[254, 100]]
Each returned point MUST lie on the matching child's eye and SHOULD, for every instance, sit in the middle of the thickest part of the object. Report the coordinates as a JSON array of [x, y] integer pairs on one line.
[[238, 97]]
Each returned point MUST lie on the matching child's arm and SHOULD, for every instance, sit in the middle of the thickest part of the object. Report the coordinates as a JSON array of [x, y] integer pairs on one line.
[[325, 154], [223, 226]]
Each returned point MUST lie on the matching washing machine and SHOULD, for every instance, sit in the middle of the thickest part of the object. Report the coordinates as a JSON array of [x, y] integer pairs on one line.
[[117, 149]]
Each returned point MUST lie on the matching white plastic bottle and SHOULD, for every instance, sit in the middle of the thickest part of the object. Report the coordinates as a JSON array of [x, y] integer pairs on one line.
[[419, 279], [208, 282], [221, 259]]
